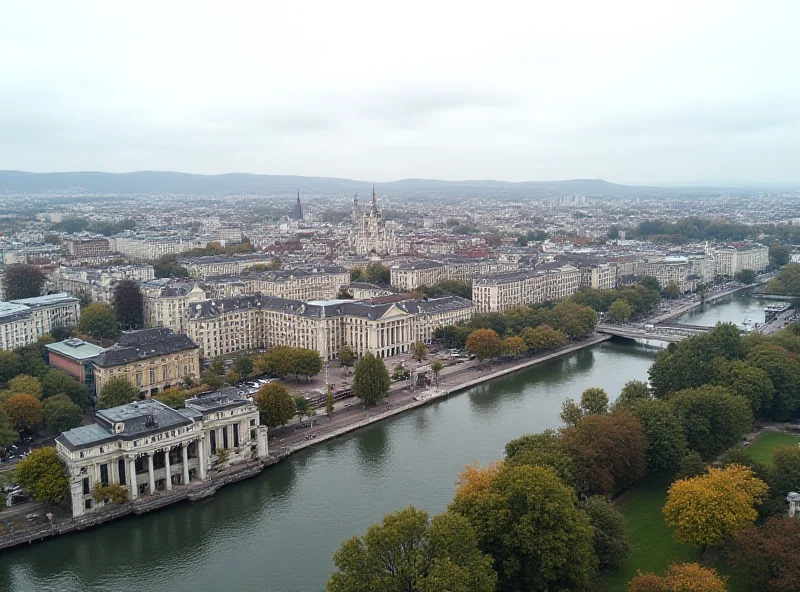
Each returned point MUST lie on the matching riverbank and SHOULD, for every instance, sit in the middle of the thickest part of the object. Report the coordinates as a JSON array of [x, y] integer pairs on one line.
[[459, 378], [698, 302]]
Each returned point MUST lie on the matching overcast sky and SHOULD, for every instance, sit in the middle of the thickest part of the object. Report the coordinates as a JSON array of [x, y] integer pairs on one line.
[[632, 92]]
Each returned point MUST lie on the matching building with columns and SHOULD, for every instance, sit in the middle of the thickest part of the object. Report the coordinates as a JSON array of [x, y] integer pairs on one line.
[[148, 447]]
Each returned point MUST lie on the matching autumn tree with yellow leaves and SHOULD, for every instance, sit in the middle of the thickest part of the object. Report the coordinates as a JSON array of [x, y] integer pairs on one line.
[[710, 509], [688, 577]]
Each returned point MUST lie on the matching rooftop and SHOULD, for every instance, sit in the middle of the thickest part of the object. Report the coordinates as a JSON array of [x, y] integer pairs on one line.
[[48, 300], [75, 348], [143, 344]]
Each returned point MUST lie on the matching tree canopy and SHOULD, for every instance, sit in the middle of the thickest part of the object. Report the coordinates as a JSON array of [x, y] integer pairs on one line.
[[128, 305], [23, 281], [43, 474], [99, 321], [767, 557], [24, 411], [275, 404], [117, 391], [408, 552], [484, 343], [61, 414], [371, 381]]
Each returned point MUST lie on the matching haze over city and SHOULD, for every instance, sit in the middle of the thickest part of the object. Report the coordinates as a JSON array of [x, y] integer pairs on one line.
[[631, 92]]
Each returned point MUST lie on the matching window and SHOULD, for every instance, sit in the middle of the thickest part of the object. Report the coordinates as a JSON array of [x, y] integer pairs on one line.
[[104, 473], [225, 437], [236, 435], [86, 490], [213, 437], [87, 504]]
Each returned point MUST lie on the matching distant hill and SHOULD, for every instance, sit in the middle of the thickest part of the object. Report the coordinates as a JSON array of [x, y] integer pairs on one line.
[[152, 182]]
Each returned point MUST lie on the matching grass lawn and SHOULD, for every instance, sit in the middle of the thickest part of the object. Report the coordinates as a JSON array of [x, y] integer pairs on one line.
[[653, 546], [761, 449]]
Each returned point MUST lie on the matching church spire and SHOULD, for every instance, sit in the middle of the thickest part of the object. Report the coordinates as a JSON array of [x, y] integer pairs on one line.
[[374, 203], [298, 196]]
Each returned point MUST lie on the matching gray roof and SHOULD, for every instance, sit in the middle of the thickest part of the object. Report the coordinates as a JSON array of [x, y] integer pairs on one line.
[[48, 300], [226, 398], [12, 312], [210, 309], [144, 344], [76, 349]]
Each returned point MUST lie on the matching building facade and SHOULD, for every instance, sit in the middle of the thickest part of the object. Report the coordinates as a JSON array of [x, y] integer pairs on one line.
[[150, 359], [86, 247], [75, 357], [736, 257], [369, 233], [148, 447], [413, 274], [24, 321], [223, 327], [504, 291]]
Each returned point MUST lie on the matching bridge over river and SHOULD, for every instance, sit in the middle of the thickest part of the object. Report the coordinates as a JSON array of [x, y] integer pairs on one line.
[[669, 332]]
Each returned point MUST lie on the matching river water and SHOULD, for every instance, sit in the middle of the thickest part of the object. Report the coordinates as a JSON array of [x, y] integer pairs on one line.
[[277, 532]]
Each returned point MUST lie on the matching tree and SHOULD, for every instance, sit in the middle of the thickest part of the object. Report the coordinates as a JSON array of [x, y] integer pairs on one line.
[[745, 380], [528, 521], [23, 281], [790, 278], [61, 333], [710, 509], [620, 311], [371, 380], [784, 374], [409, 552], [546, 449], [55, 382], [687, 577], [24, 411], [768, 557], [243, 365], [745, 276], [26, 384], [484, 343], [116, 392], [129, 305], [673, 290], [691, 465], [573, 320], [61, 414], [275, 404], [8, 434], [278, 361], [172, 397], [594, 401], [663, 430], [217, 366], [305, 362], [357, 275], [329, 401], [211, 379], [779, 255], [99, 321], [514, 346], [419, 351], [43, 474], [9, 365], [377, 273], [347, 356], [571, 413], [609, 452], [713, 420], [113, 492], [610, 541], [301, 404], [436, 368], [634, 390], [786, 478], [543, 338], [650, 283]]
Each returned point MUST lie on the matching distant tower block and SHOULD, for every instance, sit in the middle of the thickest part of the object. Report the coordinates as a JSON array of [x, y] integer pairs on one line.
[[297, 210]]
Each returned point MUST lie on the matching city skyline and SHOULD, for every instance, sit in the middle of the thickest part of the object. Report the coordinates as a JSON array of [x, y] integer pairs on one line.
[[623, 92]]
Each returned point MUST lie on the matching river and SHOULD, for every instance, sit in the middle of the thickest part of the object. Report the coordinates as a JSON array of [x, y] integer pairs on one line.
[[277, 532]]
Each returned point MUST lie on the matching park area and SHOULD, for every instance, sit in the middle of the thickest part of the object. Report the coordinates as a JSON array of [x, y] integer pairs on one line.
[[653, 546]]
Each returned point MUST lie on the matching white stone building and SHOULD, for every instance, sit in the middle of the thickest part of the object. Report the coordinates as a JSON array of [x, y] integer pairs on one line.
[[23, 321], [504, 291], [737, 257], [414, 273], [147, 447], [369, 233]]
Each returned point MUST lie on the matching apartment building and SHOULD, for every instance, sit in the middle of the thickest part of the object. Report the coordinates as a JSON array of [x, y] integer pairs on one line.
[[504, 291], [150, 359], [735, 257], [86, 247], [165, 302], [150, 248], [148, 447], [222, 327], [97, 283], [410, 275], [320, 283], [218, 265], [23, 321], [600, 276]]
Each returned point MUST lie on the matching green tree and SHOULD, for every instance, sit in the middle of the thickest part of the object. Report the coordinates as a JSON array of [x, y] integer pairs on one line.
[[172, 397], [23, 281], [371, 380], [419, 351], [8, 434], [357, 275], [779, 255], [610, 541], [347, 356], [784, 374], [61, 333], [243, 365], [278, 361], [663, 430], [634, 390], [43, 474], [573, 320], [116, 392], [543, 338], [113, 492], [55, 382], [745, 276], [61, 414], [514, 346], [275, 404], [713, 419], [620, 311], [691, 465], [301, 404], [217, 366], [484, 343], [673, 290], [24, 411], [436, 368], [99, 321], [408, 552], [329, 402], [594, 401], [571, 413], [528, 521], [26, 384], [211, 379], [651, 283], [305, 362], [746, 380], [129, 305], [546, 449], [790, 278], [10, 365], [786, 478], [377, 273]]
